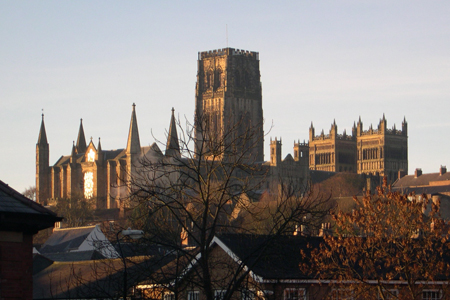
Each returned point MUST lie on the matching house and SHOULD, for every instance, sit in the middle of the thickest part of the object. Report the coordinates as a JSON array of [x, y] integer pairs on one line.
[[84, 240], [436, 186], [20, 218], [108, 278], [249, 266], [259, 267]]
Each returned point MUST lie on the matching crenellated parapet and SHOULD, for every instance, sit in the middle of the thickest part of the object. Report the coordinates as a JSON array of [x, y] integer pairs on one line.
[[228, 51], [332, 135], [382, 129]]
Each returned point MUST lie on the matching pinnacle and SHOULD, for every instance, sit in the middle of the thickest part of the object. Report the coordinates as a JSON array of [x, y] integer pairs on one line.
[[42, 139], [133, 144], [172, 146], [81, 139]]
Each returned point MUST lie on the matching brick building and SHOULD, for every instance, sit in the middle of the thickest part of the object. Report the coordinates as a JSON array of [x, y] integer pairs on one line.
[[20, 218]]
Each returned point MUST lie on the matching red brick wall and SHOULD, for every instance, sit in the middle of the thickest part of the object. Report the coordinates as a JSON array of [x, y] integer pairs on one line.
[[16, 266]]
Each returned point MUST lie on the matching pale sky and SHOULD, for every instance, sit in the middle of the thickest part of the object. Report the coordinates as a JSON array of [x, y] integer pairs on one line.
[[320, 61]]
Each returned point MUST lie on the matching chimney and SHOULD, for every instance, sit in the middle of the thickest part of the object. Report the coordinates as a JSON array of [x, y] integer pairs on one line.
[[442, 170], [417, 173], [401, 173]]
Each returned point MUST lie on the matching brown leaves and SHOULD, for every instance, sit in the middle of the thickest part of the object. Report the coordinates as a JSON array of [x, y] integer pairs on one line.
[[386, 238]]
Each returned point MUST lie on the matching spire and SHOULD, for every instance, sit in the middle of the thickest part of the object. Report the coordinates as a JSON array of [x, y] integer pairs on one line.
[[99, 147], [81, 140], [172, 146], [74, 150], [42, 139], [133, 144]]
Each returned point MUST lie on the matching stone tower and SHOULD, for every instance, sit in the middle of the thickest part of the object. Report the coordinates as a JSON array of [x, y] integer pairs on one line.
[[229, 99], [382, 151], [275, 152]]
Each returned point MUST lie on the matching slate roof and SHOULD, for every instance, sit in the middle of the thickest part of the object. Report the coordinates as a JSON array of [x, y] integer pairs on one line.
[[431, 183], [17, 212], [64, 240], [275, 257], [91, 279], [319, 176], [74, 256], [113, 154], [107, 155]]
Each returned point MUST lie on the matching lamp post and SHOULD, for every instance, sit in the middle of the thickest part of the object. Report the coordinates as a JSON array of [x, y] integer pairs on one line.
[[134, 234]]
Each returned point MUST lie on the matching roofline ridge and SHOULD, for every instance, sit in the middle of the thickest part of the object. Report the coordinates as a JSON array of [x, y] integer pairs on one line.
[[71, 228]]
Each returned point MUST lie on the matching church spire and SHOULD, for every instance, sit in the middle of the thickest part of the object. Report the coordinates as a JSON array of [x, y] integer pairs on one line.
[[81, 140], [42, 139], [99, 146], [74, 150], [172, 146], [133, 144]]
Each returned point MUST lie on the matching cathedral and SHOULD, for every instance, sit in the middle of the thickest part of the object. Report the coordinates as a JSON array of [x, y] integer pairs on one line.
[[228, 98], [93, 173], [377, 152]]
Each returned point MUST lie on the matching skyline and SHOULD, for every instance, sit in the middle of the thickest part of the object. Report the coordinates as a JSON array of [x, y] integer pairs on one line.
[[319, 61]]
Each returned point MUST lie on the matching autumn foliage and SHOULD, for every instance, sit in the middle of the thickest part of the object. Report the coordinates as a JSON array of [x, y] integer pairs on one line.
[[386, 248]]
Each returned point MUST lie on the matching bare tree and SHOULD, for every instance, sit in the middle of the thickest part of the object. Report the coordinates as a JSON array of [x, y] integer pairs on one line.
[[211, 185], [386, 249], [76, 210], [30, 193]]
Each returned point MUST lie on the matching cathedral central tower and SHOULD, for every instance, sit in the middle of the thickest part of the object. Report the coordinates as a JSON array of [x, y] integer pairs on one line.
[[228, 97]]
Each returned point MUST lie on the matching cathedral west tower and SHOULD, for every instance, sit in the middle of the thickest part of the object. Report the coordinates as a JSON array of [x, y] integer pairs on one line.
[[228, 97]]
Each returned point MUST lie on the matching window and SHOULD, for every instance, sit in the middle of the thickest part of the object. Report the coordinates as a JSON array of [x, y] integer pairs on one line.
[[219, 294], [341, 294], [193, 295], [295, 294], [248, 295], [431, 295], [169, 296]]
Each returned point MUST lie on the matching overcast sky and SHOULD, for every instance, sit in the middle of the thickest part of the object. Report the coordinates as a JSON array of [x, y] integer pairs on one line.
[[320, 61]]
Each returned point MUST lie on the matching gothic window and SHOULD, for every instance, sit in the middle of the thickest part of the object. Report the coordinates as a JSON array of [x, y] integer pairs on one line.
[[88, 185], [218, 78], [246, 79], [91, 155], [209, 77], [237, 78]]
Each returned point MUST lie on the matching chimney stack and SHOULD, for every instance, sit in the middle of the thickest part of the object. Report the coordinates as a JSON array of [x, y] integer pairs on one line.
[[418, 172], [401, 173], [442, 170]]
